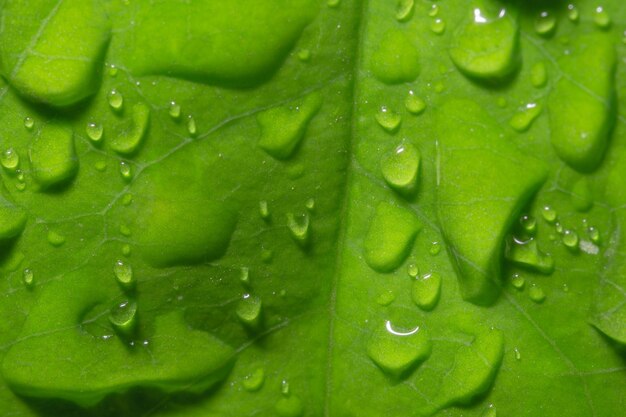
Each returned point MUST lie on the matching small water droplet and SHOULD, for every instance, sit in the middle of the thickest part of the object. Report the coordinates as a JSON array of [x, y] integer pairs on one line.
[[426, 291], [126, 170], [304, 55], [438, 26], [29, 122], [570, 239], [310, 204], [191, 126], [100, 165], [299, 227], [28, 277], [434, 10], [536, 294], [414, 104], [538, 75], [594, 234], [55, 239], [264, 210], [549, 214], [491, 410], [284, 387], [545, 24], [388, 119], [127, 199], [244, 276], [572, 13], [522, 121], [113, 70], [249, 311], [333, 3], [254, 381], [290, 406], [518, 281], [116, 100], [126, 249], [123, 317], [10, 159], [125, 230], [124, 274], [404, 10], [94, 131], [435, 248], [174, 110], [385, 298], [413, 270], [528, 223], [601, 18]]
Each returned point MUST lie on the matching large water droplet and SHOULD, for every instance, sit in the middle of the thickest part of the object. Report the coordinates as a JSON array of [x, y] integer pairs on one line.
[[10, 159], [570, 240], [536, 294], [601, 18], [123, 317], [401, 168], [52, 155], [426, 291], [398, 352], [549, 214], [94, 131], [438, 26], [518, 281], [572, 13]]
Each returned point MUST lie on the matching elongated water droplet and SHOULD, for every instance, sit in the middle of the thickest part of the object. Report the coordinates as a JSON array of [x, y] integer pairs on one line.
[[518, 355], [398, 352], [435, 248], [539, 75], [123, 317], [254, 381], [174, 110], [10, 159], [310, 204], [522, 121], [28, 277], [518, 281], [388, 119], [244, 276], [545, 24], [192, 129], [116, 100], [94, 131], [113, 71], [426, 291], [594, 234], [125, 230], [299, 227], [536, 294], [55, 239], [601, 18], [333, 3], [126, 170], [549, 214], [400, 168], [264, 210], [126, 249], [570, 239], [433, 11], [414, 104], [413, 270], [124, 274], [404, 10], [249, 311]]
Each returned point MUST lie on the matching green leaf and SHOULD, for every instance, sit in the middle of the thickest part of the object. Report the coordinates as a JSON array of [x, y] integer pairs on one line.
[[299, 208]]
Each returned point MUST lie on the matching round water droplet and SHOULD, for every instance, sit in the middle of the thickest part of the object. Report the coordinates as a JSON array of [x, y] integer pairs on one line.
[[55, 239], [435, 248], [434, 10], [174, 110], [536, 294], [518, 281], [125, 230], [572, 13], [116, 100], [29, 122], [388, 119], [538, 75], [113, 70], [400, 168], [100, 166], [404, 10], [304, 55], [594, 234], [94, 131], [426, 291], [254, 381], [385, 298], [545, 24], [570, 239], [28, 277], [413, 270], [549, 214], [522, 121], [124, 274], [10, 159], [249, 311], [123, 317], [191, 126], [601, 18], [126, 170], [414, 104], [438, 26], [310, 204]]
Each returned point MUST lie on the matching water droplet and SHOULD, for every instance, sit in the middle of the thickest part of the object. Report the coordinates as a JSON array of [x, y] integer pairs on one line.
[[264, 210], [528, 223], [538, 75], [100, 166], [570, 239], [28, 277], [545, 24], [572, 13], [127, 199], [594, 234], [116, 100], [426, 291], [29, 122], [94, 131], [174, 110], [299, 227], [400, 168], [249, 311], [435, 248], [388, 119], [536, 294], [390, 237], [123, 317], [558, 227], [486, 47], [244, 276], [130, 134], [491, 410], [283, 128], [112, 70], [304, 55], [526, 254], [549, 214], [518, 281], [601, 18], [404, 10], [55, 239], [10, 159], [385, 298], [254, 381], [284, 387], [125, 230], [126, 249], [413, 270], [434, 10], [290, 406], [414, 104], [333, 3], [438, 26], [310, 204], [124, 274], [398, 352], [522, 121], [126, 170]]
